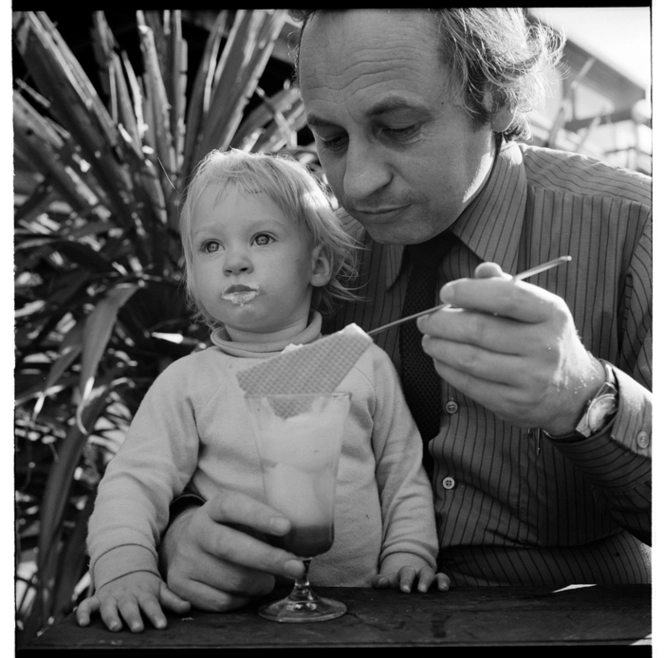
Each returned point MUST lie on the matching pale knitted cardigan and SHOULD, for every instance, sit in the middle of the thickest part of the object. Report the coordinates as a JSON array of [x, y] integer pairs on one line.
[[192, 429]]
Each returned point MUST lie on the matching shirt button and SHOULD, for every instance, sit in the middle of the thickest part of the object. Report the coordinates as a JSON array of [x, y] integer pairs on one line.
[[448, 483], [642, 439], [451, 407]]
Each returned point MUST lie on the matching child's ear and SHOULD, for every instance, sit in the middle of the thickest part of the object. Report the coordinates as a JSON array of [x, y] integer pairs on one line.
[[321, 267]]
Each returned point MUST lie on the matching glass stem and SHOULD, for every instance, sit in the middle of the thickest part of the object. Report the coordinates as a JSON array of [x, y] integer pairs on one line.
[[302, 589]]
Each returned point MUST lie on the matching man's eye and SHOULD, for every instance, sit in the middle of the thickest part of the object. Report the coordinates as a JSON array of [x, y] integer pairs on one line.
[[333, 143], [262, 240], [399, 133]]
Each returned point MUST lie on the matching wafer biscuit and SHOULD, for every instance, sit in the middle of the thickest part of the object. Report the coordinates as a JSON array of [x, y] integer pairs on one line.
[[317, 367]]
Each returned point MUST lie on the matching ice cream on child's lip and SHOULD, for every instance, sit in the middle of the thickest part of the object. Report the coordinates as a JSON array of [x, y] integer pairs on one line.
[[240, 293]]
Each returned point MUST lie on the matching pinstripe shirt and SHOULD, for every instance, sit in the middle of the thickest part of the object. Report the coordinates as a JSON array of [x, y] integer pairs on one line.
[[512, 506]]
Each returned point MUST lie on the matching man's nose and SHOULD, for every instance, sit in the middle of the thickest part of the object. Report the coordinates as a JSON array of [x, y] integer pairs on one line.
[[237, 261], [366, 172]]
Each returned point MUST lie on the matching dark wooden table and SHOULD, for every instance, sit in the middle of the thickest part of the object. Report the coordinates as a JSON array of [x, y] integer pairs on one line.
[[469, 617]]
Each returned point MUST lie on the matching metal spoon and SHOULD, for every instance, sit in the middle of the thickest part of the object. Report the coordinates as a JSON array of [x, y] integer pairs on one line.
[[517, 277]]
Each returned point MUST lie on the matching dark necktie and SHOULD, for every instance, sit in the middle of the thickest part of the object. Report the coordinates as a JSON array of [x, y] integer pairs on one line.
[[421, 383]]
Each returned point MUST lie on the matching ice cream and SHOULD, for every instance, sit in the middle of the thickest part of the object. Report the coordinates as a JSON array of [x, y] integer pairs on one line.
[[299, 458], [240, 293]]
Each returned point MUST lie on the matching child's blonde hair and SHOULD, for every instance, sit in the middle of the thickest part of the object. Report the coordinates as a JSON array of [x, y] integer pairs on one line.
[[299, 195]]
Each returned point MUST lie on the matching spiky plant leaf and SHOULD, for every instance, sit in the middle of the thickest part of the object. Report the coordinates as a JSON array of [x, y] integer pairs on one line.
[[98, 259]]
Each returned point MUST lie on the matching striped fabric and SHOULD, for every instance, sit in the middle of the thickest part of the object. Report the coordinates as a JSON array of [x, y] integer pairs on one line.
[[512, 507]]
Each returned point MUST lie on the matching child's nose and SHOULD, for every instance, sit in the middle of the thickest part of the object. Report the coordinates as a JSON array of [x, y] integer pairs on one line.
[[237, 262]]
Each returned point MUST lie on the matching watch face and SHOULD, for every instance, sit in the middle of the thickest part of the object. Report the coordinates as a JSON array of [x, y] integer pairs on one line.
[[599, 409]]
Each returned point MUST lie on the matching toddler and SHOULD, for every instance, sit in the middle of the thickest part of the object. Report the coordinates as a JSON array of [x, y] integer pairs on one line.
[[264, 254]]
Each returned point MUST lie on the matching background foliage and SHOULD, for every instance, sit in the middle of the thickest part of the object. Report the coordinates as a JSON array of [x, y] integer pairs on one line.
[[99, 308]]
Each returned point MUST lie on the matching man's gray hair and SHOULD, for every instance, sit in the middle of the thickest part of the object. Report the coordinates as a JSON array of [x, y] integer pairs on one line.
[[497, 56]]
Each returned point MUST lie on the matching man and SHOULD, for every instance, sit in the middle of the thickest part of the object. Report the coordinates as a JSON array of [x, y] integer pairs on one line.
[[542, 453]]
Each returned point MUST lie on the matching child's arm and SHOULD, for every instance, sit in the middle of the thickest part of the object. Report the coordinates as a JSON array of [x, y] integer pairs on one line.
[[126, 597], [156, 460], [403, 570], [410, 545]]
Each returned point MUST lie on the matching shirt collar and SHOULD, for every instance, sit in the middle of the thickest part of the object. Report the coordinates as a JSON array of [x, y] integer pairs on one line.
[[491, 225], [222, 340]]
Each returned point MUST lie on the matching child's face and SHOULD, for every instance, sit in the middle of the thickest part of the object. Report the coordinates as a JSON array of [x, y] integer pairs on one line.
[[253, 268]]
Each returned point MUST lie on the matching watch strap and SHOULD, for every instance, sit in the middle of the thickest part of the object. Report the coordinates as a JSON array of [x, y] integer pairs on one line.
[[584, 428]]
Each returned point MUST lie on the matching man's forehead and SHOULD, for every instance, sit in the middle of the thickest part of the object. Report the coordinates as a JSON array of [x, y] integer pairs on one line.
[[325, 18], [338, 47], [352, 30], [367, 61]]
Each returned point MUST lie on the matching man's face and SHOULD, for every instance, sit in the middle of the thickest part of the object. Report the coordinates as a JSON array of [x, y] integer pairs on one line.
[[399, 156]]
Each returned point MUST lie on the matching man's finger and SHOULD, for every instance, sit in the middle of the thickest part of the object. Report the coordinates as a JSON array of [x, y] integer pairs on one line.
[[518, 300], [241, 549], [235, 507], [208, 598], [171, 601], [219, 574], [486, 365], [488, 270], [493, 333]]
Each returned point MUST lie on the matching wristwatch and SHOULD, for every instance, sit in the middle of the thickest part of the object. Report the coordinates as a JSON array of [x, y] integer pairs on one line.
[[598, 412]]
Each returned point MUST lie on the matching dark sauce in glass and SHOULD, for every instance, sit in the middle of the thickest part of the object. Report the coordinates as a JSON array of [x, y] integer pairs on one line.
[[306, 541]]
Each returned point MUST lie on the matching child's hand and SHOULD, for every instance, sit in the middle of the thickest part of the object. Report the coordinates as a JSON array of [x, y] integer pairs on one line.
[[407, 576], [127, 597]]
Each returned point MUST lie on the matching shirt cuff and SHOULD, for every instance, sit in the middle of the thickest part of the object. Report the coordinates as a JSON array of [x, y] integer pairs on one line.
[[633, 423], [182, 503], [619, 456], [123, 560]]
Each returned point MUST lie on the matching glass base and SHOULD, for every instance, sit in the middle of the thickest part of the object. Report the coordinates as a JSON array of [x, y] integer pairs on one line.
[[300, 611]]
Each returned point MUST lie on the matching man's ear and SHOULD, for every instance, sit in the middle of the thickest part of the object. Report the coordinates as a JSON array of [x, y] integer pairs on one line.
[[321, 266], [502, 120]]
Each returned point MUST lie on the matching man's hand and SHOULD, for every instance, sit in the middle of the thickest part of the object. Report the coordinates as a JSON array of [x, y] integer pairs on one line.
[[512, 347], [218, 567]]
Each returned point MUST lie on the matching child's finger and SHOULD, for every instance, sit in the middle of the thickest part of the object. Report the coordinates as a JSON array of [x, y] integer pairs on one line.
[[85, 609], [381, 582], [171, 601], [425, 578], [109, 614], [406, 578], [131, 614], [443, 582], [152, 610]]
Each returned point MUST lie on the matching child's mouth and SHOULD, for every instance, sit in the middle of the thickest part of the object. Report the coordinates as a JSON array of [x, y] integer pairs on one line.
[[241, 293]]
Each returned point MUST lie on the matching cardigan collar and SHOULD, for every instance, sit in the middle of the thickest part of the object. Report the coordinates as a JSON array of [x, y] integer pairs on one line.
[[222, 340]]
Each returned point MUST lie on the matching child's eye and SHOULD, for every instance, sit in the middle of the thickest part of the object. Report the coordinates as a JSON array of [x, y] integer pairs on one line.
[[210, 246], [263, 239]]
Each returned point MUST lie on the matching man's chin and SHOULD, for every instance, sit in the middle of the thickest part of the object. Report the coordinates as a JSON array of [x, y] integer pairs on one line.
[[402, 235]]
